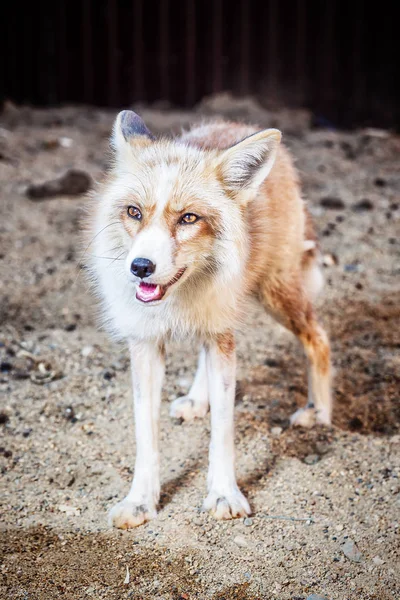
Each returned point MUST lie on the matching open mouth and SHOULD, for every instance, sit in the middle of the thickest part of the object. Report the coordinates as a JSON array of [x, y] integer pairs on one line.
[[150, 292]]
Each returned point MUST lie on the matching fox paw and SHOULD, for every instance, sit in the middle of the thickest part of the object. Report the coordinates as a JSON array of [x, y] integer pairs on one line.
[[128, 514], [227, 506], [308, 417], [187, 409]]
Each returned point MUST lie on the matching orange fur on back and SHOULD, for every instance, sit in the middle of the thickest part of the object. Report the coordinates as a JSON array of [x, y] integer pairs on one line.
[[278, 220]]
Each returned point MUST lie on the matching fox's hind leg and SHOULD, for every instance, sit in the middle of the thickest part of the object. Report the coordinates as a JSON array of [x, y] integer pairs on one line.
[[196, 403], [289, 304]]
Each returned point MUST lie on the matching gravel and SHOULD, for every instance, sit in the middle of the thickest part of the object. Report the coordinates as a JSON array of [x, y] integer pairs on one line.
[[77, 461]]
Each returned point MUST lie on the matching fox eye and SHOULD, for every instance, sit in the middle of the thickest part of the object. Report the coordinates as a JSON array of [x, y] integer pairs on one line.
[[188, 219], [134, 212]]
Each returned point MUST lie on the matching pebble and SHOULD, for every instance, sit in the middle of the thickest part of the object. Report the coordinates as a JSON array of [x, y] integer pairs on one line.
[[332, 203], [69, 413], [316, 597], [86, 350], [276, 431], [70, 511], [363, 205], [351, 551], [240, 541], [248, 522], [351, 268], [378, 560], [4, 418], [73, 183], [329, 260], [108, 374], [311, 459]]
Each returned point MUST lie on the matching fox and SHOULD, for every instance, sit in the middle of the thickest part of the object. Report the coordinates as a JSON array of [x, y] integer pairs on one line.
[[183, 231]]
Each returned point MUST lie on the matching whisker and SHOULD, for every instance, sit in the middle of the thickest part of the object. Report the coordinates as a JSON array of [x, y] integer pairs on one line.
[[118, 257], [107, 257], [79, 268], [97, 234]]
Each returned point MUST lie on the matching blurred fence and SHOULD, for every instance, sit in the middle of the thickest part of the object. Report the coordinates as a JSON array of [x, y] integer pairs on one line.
[[336, 57]]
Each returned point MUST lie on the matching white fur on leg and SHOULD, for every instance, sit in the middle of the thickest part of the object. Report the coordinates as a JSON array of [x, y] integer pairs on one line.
[[224, 499], [195, 404], [147, 375], [303, 417]]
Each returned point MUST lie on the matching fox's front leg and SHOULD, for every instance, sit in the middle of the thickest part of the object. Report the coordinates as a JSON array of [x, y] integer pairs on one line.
[[195, 404], [224, 498], [148, 365]]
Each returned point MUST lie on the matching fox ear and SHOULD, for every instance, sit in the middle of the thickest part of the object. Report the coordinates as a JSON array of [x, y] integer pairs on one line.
[[128, 128], [245, 165]]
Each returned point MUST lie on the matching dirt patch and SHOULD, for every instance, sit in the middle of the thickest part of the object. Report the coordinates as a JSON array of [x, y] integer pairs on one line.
[[45, 565]]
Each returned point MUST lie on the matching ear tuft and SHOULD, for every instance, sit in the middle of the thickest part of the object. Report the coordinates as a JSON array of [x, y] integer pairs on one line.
[[247, 164], [128, 126]]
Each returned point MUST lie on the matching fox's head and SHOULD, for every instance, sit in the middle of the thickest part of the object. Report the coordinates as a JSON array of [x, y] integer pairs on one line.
[[178, 210]]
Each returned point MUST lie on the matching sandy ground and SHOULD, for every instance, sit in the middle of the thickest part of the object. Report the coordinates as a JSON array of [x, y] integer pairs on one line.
[[325, 503]]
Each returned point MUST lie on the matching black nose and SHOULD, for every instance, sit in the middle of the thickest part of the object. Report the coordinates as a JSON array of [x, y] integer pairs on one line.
[[142, 267]]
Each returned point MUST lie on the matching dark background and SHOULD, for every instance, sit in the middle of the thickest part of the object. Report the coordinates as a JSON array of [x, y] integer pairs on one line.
[[338, 58]]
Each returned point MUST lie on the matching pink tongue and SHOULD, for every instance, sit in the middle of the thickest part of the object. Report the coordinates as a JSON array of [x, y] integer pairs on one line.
[[147, 292]]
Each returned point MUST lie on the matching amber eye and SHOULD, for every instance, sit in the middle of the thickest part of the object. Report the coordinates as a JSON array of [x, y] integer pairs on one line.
[[134, 213], [188, 219]]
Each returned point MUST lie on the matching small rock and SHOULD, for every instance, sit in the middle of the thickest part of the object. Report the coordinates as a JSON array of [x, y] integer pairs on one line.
[[271, 362], [70, 511], [45, 373], [248, 522], [5, 366], [69, 413], [378, 561], [73, 183], [329, 260], [316, 597], [4, 418], [86, 350], [240, 541], [50, 144], [108, 374], [276, 431], [351, 551], [332, 203], [311, 459], [351, 268], [363, 205], [27, 432], [65, 142]]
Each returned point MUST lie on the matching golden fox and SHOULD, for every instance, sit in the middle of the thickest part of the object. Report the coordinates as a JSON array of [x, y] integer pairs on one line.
[[182, 232]]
